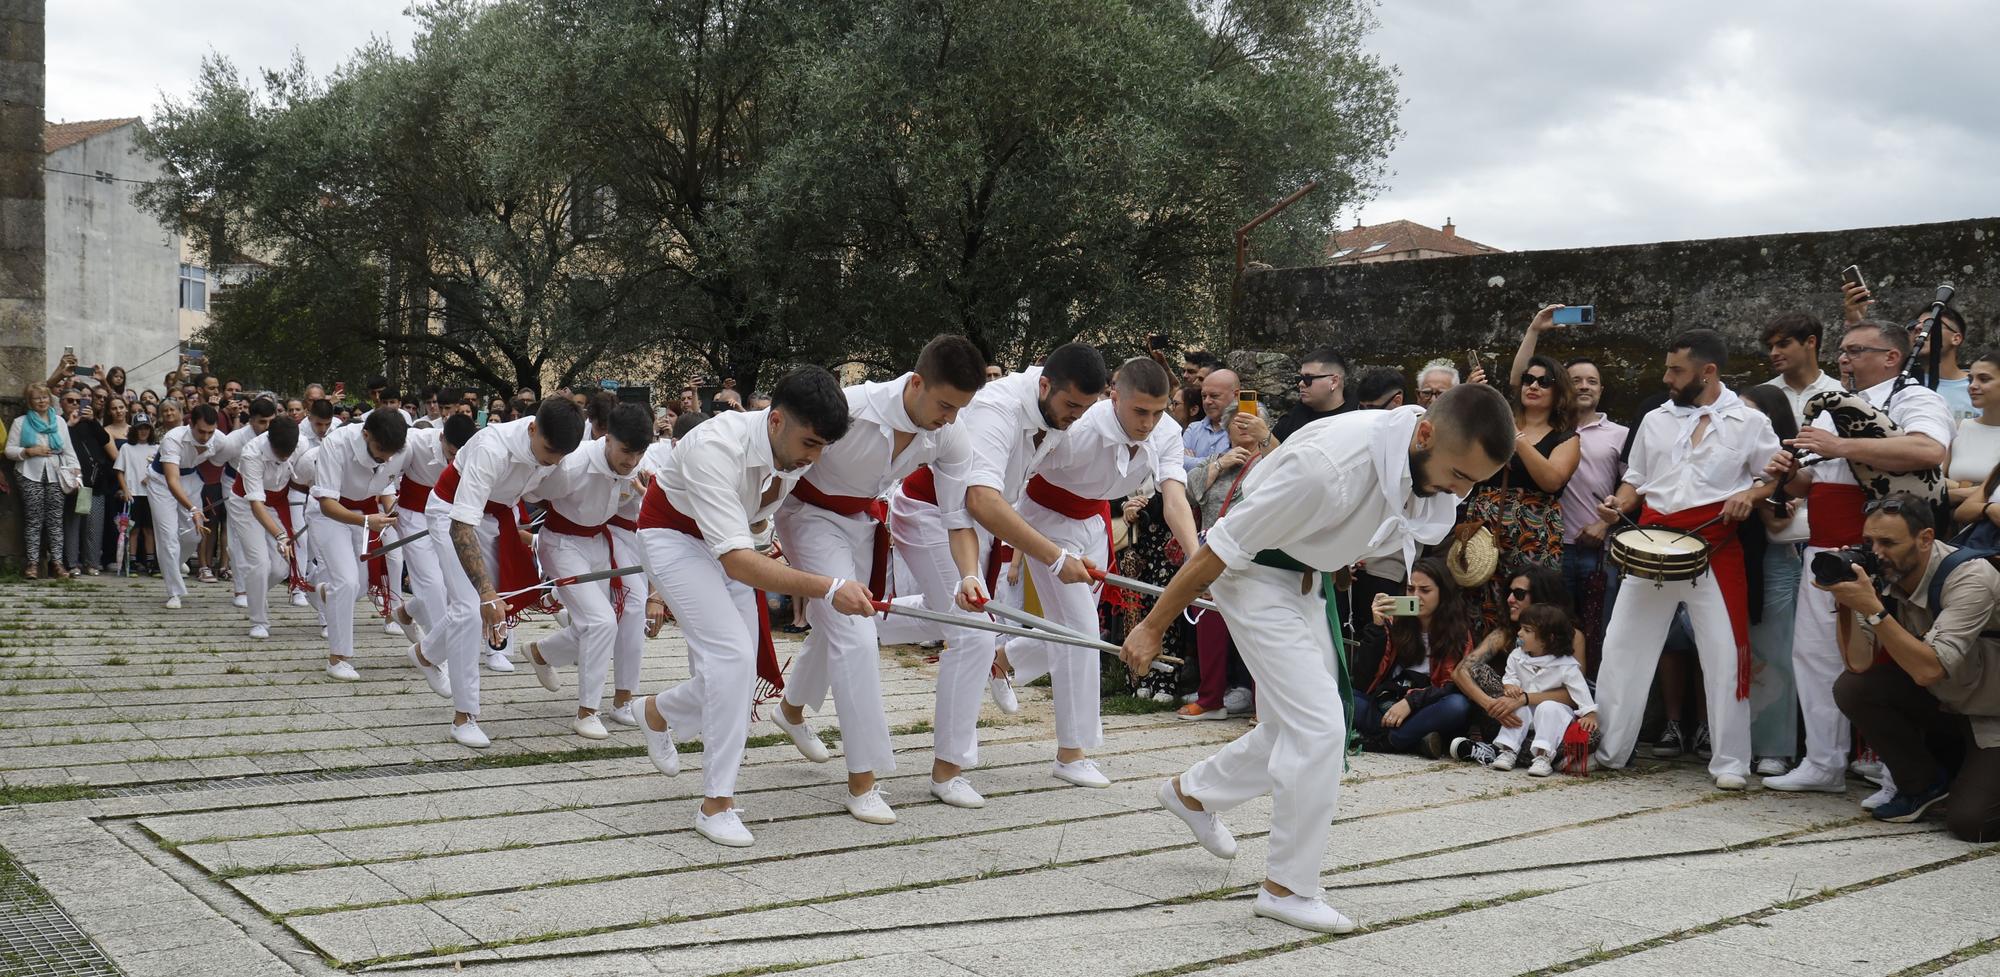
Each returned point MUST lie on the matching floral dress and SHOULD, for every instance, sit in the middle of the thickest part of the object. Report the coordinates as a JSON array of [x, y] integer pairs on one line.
[[1526, 523]]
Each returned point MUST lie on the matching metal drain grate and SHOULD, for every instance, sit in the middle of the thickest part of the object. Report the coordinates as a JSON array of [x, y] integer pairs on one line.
[[36, 938]]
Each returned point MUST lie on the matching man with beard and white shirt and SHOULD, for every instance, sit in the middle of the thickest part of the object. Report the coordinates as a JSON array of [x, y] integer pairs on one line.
[[699, 527], [473, 518], [1367, 483], [259, 508], [1011, 425], [1876, 352], [835, 524], [1698, 466], [174, 488], [425, 456], [1116, 447], [350, 475]]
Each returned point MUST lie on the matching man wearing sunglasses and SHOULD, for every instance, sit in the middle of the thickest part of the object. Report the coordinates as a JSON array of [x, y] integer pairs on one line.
[[1874, 352], [1322, 384], [1953, 384]]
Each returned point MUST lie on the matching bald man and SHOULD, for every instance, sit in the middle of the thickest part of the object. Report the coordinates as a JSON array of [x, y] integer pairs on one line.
[[1208, 437]]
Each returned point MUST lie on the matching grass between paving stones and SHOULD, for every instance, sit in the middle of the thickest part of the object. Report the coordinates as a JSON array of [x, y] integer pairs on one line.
[[1755, 916], [1952, 959], [1132, 705], [780, 968], [10, 796]]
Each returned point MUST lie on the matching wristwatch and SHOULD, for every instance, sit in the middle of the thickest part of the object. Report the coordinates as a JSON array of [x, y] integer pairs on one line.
[[1875, 620]]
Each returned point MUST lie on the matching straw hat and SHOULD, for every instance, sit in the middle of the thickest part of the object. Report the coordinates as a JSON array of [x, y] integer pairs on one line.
[[1473, 559]]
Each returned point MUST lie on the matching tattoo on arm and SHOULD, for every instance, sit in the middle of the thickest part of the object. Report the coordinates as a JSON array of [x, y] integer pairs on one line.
[[465, 542]]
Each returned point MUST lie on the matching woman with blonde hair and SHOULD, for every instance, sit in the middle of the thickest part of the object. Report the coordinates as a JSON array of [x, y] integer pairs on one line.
[[39, 444]]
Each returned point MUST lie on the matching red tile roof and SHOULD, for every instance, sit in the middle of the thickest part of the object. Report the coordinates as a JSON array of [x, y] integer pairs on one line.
[[1400, 236], [59, 135]]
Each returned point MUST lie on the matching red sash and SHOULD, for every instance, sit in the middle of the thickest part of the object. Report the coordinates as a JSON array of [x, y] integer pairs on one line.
[[413, 495], [657, 513], [1834, 515], [1725, 560], [1064, 502], [517, 562], [555, 522], [855, 505], [920, 485]]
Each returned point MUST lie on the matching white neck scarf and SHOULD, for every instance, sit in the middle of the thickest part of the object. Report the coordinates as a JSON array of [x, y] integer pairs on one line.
[[1689, 417], [1412, 519]]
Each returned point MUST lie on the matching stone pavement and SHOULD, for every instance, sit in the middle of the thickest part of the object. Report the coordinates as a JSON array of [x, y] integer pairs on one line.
[[198, 803]]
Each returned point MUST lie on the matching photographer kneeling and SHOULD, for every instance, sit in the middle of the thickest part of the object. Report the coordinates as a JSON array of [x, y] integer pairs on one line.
[[1923, 664]]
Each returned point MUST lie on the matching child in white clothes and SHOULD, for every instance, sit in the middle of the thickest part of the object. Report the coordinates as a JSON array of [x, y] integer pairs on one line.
[[1543, 663]]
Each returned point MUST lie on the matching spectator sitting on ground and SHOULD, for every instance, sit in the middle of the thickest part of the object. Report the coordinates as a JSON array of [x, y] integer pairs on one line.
[[1542, 662], [1409, 703], [1478, 676]]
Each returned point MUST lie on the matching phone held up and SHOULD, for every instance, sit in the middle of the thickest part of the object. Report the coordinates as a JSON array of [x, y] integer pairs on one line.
[[1246, 403], [1851, 275], [1576, 315], [1407, 606]]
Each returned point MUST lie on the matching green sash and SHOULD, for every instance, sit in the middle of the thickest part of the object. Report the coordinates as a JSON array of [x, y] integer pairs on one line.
[[1280, 560]]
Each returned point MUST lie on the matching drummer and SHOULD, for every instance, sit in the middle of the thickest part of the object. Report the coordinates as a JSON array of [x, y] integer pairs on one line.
[[1696, 466]]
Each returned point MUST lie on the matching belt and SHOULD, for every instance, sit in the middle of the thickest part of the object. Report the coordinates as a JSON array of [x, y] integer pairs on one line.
[[856, 505]]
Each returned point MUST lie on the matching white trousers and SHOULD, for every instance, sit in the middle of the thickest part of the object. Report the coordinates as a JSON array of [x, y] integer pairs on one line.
[[1816, 663], [1632, 643], [174, 535], [337, 551], [392, 563], [1297, 751], [591, 637], [1548, 721], [457, 640], [259, 565], [967, 659], [895, 629], [1075, 673], [841, 652], [300, 549], [628, 652], [426, 597], [718, 617]]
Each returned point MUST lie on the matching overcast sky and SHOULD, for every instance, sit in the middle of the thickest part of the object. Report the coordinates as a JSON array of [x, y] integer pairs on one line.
[[1531, 123]]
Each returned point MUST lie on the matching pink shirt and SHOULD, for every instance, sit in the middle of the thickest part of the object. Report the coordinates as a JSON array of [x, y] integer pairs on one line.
[[1596, 476]]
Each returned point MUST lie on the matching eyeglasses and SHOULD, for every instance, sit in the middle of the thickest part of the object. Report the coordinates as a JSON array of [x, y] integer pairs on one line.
[[1891, 506], [1308, 379], [1917, 325], [1518, 593], [1428, 395], [1545, 381], [1853, 351]]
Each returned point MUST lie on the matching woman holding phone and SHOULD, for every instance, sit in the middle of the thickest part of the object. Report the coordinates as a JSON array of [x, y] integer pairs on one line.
[[1409, 704]]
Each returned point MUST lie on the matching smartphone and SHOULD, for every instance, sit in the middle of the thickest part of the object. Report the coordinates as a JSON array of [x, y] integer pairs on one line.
[[339, 389], [1404, 606], [83, 371], [1157, 341], [479, 419], [1246, 402], [1474, 362], [1852, 275], [1576, 315]]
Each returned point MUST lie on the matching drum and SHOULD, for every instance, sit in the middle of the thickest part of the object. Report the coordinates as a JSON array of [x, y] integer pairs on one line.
[[1660, 554]]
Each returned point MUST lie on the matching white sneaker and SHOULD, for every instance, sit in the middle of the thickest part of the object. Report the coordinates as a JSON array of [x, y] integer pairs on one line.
[[498, 661], [725, 828], [1879, 798], [322, 630], [1505, 761], [1731, 781], [1870, 770], [1541, 767], [298, 598], [434, 675], [1770, 766], [957, 792], [469, 734], [622, 715], [174, 604], [870, 807], [589, 727], [325, 592], [342, 670], [1207, 825], [1304, 912], [1083, 773], [1807, 778], [240, 600], [659, 742], [803, 737], [259, 632], [1238, 701], [392, 628], [1003, 694], [544, 672]]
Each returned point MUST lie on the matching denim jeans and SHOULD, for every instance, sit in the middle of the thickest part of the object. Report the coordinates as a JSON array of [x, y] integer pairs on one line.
[[1449, 716]]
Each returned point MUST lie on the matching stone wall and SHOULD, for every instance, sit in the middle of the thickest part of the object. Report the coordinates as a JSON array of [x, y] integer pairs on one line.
[[1404, 313], [22, 324]]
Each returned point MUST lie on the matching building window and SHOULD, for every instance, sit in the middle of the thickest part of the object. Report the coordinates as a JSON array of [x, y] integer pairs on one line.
[[194, 288]]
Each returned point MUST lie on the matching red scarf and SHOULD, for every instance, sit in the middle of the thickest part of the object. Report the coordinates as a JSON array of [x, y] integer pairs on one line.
[[921, 485], [1725, 560], [855, 505]]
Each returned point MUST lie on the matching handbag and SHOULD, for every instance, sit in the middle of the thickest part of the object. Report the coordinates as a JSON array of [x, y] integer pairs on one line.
[[70, 478], [83, 500]]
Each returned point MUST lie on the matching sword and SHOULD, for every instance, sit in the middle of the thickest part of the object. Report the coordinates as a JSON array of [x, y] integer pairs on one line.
[[1064, 637], [577, 579], [1143, 587], [399, 544]]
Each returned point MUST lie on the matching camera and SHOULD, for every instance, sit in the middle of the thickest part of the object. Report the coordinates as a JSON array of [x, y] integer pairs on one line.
[[1834, 566]]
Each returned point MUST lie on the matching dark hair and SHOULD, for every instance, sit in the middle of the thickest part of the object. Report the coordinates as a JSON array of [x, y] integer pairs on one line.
[[1562, 412], [1474, 413], [1894, 337], [1702, 346], [1141, 375], [630, 426], [284, 436], [203, 413], [1953, 319], [1576, 361], [1553, 624], [263, 407], [451, 395], [1191, 396], [1797, 326], [1327, 355], [1376, 382], [559, 423], [685, 422], [1775, 406], [1451, 629], [388, 429], [458, 429], [1203, 358], [390, 393], [1076, 366], [322, 409], [813, 397], [599, 406], [952, 361], [1915, 512], [376, 381], [1545, 586]]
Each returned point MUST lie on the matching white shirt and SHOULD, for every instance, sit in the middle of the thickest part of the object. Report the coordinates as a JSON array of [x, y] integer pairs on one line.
[[863, 462], [423, 455], [1915, 408], [1798, 398], [1975, 449], [656, 457], [1736, 445], [343, 468], [1001, 425], [1547, 673], [260, 471], [497, 465], [136, 462], [583, 488], [718, 476], [180, 449], [1095, 460], [230, 446], [1335, 492], [309, 438]]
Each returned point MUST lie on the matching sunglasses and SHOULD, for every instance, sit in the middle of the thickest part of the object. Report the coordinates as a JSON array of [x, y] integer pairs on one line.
[[1543, 380], [1518, 593], [1305, 379], [1891, 506]]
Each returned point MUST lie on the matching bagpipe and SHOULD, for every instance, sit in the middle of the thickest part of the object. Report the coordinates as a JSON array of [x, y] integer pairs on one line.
[[1854, 417]]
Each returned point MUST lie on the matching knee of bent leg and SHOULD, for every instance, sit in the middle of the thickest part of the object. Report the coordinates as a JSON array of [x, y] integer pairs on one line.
[[1850, 692], [1974, 816]]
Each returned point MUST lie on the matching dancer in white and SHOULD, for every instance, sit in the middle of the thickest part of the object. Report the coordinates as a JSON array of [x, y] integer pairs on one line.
[[584, 494], [473, 517], [350, 475], [318, 423], [229, 447], [174, 489], [1117, 446], [1340, 489], [945, 525], [699, 527], [425, 456], [258, 507], [835, 524]]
